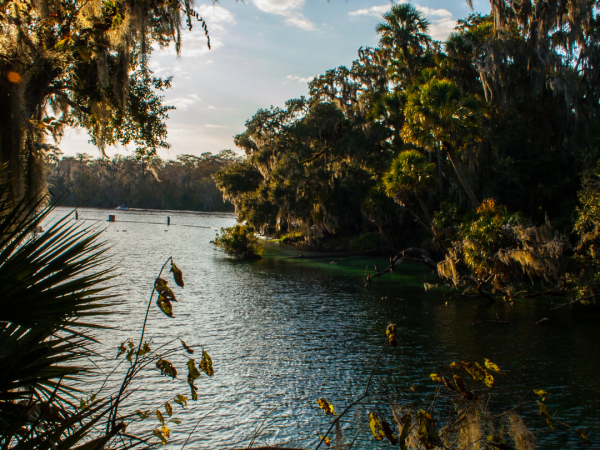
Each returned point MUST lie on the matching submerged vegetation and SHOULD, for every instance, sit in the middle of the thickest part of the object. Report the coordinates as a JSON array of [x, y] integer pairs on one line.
[[478, 155]]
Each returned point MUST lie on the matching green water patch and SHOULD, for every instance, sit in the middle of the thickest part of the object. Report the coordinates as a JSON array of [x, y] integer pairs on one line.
[[409, 274]]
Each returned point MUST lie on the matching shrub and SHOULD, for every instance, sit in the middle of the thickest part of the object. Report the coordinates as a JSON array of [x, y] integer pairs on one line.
[[239, 241]]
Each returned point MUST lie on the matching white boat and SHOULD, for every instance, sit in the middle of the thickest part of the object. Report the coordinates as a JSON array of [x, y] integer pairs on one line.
[[123, 207]]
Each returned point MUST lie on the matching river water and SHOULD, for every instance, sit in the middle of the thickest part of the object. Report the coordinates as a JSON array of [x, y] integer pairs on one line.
[[284, 332]]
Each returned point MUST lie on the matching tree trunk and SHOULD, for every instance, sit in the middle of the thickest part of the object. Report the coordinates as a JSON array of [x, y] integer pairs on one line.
[[411, 71], [439, 161], [460, 174]]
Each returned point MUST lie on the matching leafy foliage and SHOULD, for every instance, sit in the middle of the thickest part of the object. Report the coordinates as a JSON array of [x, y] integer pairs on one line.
[[239, 241], [471, 128], [86, 63]]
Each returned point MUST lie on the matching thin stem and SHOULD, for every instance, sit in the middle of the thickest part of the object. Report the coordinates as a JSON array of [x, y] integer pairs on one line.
[[130, 371], [366, 394]]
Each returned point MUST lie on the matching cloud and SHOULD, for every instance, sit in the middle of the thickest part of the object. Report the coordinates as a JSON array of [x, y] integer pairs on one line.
[[289, 9], [441, 21], [376, 11], [218, 20], [211, 125], [183, 103], [299, 79]]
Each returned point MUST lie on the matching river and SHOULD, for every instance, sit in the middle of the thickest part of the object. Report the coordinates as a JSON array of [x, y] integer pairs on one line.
[[284, 332]]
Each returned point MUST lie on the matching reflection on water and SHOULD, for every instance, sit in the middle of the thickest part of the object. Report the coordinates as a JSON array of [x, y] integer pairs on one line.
[[283, 333]]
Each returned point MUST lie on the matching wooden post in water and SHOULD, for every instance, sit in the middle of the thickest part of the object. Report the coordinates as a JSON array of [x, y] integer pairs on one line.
[[111, 218], [76, 216], [168, 220]]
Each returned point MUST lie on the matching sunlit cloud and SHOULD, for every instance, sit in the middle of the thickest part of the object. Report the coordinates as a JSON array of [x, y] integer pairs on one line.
[[218, 19], [441, 21], [299, 79], [183, 103], [289, 9]]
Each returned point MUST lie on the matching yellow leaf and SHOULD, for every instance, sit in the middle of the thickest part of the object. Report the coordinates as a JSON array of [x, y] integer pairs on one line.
[[169, 409], [435, 377], [160, 417], [583, 434], [326, 441], [391, 335], [541, 393], [326, 406], [166, 432], [159, 435], [181, 399], [206, 364], [375, 426], [492, 366]]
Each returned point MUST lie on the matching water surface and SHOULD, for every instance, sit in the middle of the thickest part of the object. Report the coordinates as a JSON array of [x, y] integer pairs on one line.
[[284, 332]]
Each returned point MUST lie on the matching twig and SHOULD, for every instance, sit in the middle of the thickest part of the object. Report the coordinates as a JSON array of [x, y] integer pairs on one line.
[[198, 423], [500, 322], [366, 393], [258, 429]]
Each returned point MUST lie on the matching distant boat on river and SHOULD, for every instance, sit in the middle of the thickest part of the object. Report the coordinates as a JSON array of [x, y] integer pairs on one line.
[[123, 207]]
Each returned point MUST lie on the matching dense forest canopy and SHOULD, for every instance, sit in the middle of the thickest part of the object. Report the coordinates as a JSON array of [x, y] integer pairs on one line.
[[185, 183], [84, 65], [489, 134]]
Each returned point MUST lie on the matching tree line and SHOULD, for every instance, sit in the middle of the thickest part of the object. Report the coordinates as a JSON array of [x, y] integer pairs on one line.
[[184, 183], [470, 152]]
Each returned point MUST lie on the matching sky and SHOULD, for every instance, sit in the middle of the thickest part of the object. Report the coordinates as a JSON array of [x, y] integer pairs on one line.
[[264, 52]]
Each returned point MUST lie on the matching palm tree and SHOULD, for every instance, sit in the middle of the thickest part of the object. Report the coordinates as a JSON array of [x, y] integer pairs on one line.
[[439, 112], [405, 29], [410, 173]]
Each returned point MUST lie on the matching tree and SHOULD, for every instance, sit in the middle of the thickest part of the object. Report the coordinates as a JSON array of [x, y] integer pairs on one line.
[[406, 31], [438, 111], [82, 64], [410, 173]]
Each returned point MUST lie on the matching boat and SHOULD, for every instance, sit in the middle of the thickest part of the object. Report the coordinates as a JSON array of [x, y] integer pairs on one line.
[[122, 207]]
